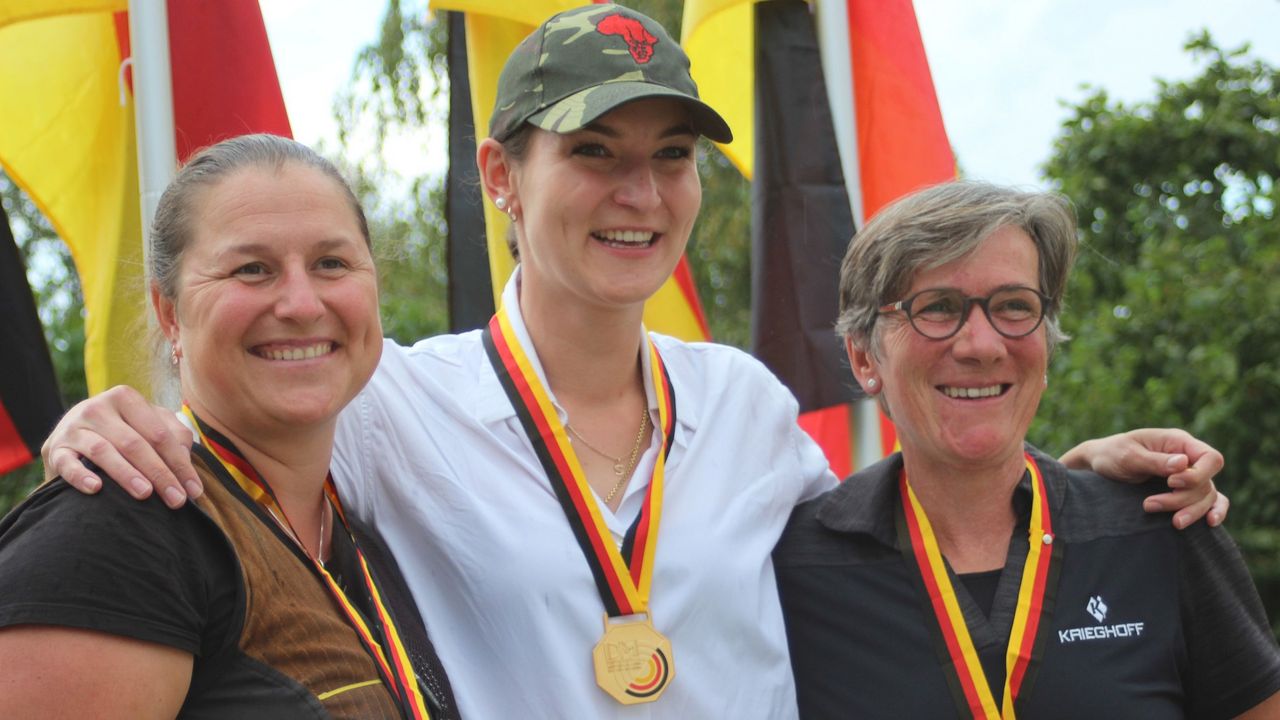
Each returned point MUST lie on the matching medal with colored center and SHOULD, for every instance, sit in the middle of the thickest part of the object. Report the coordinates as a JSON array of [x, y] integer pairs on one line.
[[968, 682], [633, 661]]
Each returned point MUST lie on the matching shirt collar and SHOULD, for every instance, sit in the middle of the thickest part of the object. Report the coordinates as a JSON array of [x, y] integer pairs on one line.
[[492, 403], [866, 503]]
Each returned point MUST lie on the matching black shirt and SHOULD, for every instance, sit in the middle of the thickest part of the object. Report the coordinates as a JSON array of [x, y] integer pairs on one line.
[[1148, 622], [218, 580]]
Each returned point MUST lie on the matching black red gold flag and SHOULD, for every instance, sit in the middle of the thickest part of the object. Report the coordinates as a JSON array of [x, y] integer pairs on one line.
[[29, 399]]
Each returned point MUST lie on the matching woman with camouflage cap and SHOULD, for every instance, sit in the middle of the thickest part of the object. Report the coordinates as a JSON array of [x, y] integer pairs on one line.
[[525, 473]]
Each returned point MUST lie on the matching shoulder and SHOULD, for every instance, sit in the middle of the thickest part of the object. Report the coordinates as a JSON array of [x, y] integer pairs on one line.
[[438, 351], [719, 374], [110, 563], [804, 537], [435, 367], [851, 523], [58, 513], [704, 358], [1093, 506]]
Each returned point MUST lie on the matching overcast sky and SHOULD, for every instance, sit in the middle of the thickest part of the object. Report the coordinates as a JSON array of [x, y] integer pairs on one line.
[[1000, 67]]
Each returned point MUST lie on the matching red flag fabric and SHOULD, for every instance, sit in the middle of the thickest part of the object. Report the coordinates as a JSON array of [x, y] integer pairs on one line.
[[224, 77]]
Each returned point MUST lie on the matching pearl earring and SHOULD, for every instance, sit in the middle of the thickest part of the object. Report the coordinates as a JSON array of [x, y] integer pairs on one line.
[[871, 384], [501, 202]]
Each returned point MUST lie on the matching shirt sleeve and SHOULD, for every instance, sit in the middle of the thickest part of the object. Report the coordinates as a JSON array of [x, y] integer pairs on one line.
[[112, 564], [1235, 663]]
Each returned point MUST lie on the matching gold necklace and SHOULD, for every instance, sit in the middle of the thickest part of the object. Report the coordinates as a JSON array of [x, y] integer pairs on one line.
[[621, 471]]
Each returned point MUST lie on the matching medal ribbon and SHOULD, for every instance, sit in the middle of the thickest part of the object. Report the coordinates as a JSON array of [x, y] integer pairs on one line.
[[623, 578], [1031, 610], [397, 671]]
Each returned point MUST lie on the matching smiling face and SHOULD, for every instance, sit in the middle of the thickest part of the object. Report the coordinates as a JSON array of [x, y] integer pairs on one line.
[[276, 314], [605, 212], [969, 399]]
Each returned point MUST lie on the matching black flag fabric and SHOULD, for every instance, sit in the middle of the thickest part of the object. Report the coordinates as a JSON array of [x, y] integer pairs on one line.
[[801, 219], [29, 399], [470, 287]]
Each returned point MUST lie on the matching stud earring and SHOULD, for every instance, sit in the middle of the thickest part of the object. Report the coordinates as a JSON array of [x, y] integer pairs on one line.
[[501, 203], [871, 384]]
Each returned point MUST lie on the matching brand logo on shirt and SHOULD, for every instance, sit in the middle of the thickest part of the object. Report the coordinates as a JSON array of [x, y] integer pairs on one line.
[[1097, 608]]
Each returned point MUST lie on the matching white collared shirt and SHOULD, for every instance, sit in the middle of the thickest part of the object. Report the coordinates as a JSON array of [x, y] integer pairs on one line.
[[433, 456]]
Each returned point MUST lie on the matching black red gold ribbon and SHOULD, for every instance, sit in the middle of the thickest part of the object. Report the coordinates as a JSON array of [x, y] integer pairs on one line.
[[388, 652], [623, 578], [1034, 602]]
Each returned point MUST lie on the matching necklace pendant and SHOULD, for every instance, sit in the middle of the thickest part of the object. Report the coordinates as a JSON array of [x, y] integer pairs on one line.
[[618, 469]]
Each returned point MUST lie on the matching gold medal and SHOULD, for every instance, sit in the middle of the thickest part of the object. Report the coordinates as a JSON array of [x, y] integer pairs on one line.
[[633, 661]]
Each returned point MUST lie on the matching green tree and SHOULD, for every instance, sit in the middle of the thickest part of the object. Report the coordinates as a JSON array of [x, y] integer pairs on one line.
[[1173, 303]]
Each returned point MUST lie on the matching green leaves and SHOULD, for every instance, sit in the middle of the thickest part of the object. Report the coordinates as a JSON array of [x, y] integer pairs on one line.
[[1174, 304]]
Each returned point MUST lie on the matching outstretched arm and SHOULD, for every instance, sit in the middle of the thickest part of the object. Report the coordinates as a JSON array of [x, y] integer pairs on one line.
[[1187, 463], [143, 445]]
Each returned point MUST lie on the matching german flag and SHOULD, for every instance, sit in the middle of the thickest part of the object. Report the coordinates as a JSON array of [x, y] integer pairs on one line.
[[29, 399], [848, 121], [72, 147]]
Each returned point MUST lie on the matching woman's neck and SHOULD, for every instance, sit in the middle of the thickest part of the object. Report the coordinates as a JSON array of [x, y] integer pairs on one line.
[[588, 354], [295, 462], [970, 508]]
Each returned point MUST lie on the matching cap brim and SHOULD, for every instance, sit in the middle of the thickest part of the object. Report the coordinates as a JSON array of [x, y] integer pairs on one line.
[[585, 106]]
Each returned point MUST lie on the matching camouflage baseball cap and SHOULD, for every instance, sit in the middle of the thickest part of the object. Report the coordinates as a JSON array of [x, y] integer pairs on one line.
[[582, 63]]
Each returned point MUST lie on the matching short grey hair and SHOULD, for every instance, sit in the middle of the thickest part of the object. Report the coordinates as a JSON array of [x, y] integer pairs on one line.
[[171, 230], [937, 225]]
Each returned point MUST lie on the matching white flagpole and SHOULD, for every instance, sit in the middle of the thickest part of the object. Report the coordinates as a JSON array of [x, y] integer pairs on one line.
[[832, 22], [153, 106]]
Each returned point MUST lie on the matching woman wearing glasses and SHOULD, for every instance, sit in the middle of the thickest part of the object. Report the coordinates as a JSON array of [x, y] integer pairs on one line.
[[1005, 581], [584, 511]]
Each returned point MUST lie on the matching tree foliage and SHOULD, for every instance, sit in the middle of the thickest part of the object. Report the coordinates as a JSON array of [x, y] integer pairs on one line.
[[1173, 303]]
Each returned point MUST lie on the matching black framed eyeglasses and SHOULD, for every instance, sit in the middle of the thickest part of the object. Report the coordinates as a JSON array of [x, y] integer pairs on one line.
[[939, 313]]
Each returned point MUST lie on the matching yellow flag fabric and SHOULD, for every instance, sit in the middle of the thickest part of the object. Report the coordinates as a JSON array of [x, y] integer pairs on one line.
[[719, 36], [494, 28], [17, 10], [68, 141]]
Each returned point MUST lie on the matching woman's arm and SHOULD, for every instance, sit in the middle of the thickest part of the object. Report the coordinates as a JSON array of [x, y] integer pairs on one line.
[[143, 445], [1138, 455], [57, 672], [146, 446], [1268, 709]]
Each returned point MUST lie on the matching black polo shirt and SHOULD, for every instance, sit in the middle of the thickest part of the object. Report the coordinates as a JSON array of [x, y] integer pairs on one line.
[[1147, 621]]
